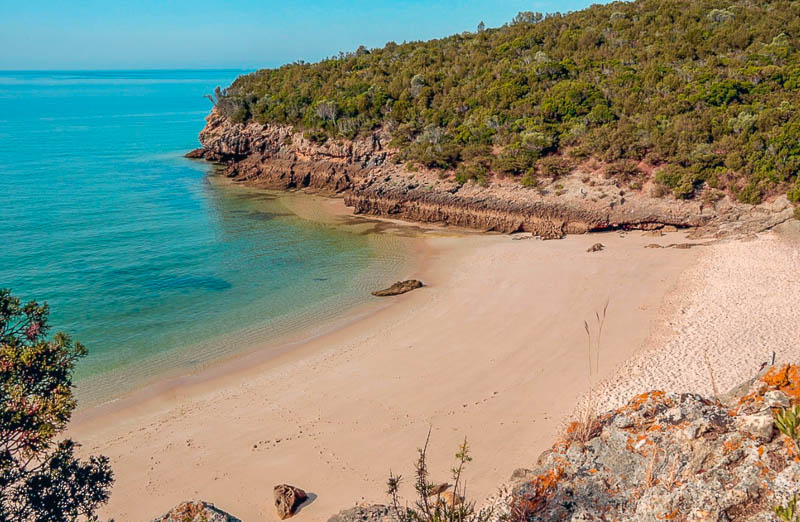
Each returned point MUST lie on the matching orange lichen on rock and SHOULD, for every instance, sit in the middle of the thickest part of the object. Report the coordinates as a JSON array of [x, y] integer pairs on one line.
[[731, 445], [784, 378], [644, 398], [543, 487]]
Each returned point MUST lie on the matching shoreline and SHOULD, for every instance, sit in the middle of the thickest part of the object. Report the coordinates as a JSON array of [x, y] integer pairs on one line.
[[497, 329], [319, 208]]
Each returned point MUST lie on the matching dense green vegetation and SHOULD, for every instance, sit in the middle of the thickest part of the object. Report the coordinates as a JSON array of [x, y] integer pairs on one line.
[[707, 91], [41, 479]]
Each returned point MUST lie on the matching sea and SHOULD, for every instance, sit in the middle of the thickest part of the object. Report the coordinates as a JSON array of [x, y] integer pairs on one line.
[[156, 263]]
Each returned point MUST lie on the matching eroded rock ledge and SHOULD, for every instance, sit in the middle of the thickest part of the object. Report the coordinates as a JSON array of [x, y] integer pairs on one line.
[[373, 183]]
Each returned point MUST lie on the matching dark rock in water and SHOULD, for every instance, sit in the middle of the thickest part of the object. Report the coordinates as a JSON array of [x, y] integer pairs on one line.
[[288, 499], [196, 153], [376, 513], [597, 247], [196, 511], [400, 287]]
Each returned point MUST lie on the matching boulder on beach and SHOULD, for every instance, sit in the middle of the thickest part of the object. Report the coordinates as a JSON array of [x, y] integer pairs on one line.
[[597, 247], [400, 287], [196, 511], [288, 499]]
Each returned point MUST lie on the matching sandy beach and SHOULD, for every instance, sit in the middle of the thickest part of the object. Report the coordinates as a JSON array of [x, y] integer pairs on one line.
[[731, 312], [492, 349]]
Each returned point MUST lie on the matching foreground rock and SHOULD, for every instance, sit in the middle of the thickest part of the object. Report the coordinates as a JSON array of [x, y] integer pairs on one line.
[[288, 499], [597, 247], [196, 511], [375, 513], [668, 456], [365, 170], [400, 287]]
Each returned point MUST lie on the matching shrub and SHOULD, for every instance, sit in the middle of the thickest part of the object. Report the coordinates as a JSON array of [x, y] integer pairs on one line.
[[40, 476], [623, 171], [472, 172], [682, 181], [529, 179], [554, 166], [431, 504]]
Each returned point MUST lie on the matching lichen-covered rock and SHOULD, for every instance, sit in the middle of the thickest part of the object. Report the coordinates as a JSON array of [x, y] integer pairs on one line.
[[196, 511], [375, 513], [288, 499], [668, 456]]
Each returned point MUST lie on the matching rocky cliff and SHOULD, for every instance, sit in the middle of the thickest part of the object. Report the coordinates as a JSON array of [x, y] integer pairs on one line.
[[367, 172]]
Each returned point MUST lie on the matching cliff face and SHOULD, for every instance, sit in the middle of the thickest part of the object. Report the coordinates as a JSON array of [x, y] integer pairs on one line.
[[367, 173]]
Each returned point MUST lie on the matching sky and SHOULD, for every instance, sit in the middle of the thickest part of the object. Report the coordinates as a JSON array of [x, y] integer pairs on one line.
[[242, 34]]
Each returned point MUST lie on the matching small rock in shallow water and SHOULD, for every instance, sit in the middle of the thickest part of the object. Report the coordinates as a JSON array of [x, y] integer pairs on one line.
[[400, 287], [195, 154], [597, 247]]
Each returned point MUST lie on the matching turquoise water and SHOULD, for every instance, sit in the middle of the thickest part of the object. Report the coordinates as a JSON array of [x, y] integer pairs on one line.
[[146, 257]]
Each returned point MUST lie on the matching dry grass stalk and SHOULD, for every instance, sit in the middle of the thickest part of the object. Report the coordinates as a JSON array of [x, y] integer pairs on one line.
[[587, 425], [711, 376]]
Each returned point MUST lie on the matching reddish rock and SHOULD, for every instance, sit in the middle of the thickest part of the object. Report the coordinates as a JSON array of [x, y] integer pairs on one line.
[[288, 499], [196, 153], [400, 287]]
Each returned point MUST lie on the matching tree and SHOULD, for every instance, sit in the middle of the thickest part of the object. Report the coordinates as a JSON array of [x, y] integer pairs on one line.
[[527, 17], [481, 27], [41, 479]]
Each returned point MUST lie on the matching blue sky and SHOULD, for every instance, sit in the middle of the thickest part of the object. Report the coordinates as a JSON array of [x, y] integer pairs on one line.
[[119, 34]]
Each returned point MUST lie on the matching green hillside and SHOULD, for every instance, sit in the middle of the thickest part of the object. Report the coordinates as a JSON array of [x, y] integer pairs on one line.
[[707, 91]]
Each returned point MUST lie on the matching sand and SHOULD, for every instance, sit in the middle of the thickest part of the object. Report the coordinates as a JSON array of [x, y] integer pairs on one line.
[[732, 309], [493, 349]]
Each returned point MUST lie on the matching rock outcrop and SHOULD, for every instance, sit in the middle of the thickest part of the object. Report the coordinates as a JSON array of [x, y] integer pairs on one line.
[[400, 287], [373, 182], [668, 456], [374, 513], [288, 499], [196, 511]]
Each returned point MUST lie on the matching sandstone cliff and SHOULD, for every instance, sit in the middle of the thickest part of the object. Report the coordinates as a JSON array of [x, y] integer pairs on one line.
[[373, 183]]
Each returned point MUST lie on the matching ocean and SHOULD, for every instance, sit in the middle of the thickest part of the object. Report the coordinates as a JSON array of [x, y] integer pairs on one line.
[[151, 260]]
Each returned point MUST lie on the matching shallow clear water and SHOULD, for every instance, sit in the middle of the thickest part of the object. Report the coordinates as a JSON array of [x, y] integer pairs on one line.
[[146, 257]]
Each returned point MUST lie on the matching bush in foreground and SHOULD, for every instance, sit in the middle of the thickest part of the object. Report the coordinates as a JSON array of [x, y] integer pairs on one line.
[[41, 479]]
